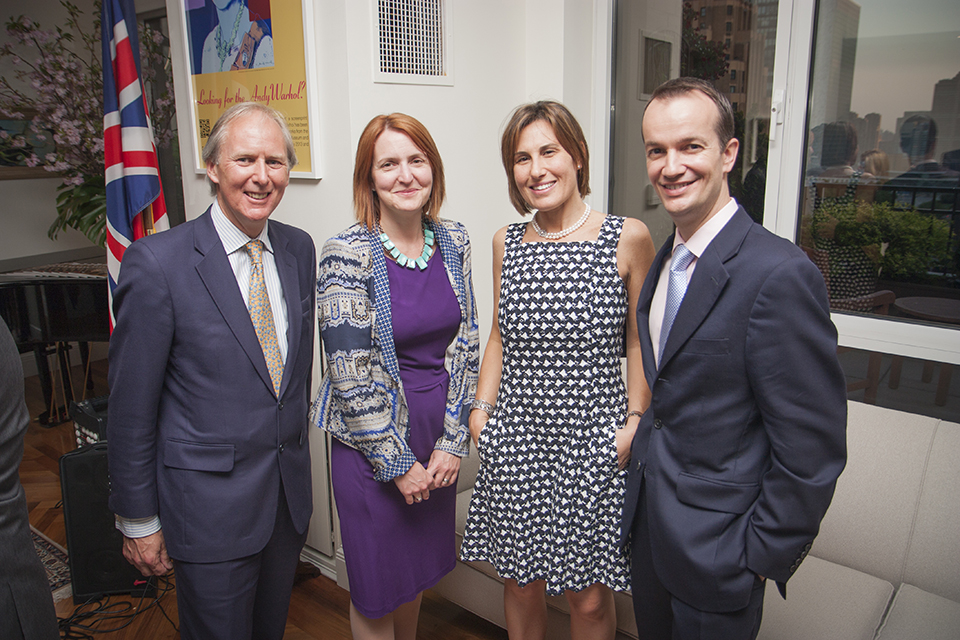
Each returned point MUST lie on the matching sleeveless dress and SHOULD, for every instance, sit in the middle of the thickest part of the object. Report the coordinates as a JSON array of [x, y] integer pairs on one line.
[[393, 550], [548, 495]]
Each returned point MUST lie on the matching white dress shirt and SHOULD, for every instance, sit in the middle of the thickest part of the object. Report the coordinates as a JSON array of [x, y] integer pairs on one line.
[[696, 244]]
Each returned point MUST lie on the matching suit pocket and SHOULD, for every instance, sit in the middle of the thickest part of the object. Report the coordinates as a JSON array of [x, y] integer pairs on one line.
[[716, 495], [196, 456], [707, 346]]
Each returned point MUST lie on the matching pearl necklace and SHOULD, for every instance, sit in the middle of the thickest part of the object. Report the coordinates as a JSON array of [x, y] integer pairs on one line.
[[400, 258], [556, 235]]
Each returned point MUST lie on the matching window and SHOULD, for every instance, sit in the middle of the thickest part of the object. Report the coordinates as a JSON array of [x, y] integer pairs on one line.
[[733, 74], [729, 9], [729, 27], [878, 210]]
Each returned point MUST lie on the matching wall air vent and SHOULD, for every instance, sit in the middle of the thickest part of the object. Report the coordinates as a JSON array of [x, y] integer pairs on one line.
[[413, 42]]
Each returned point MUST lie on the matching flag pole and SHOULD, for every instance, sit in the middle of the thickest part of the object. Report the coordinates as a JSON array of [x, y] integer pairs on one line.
[[148, 228]]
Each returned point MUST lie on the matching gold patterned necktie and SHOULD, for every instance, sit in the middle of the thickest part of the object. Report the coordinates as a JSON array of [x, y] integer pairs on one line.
[[262, 315]]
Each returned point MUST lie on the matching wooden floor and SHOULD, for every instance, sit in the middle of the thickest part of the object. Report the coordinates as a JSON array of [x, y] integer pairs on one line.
[[318, 608]]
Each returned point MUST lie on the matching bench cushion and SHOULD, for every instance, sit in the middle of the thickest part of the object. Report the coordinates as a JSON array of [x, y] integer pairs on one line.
[[825, 601], [919, 614], [870, 520], [933, 563]]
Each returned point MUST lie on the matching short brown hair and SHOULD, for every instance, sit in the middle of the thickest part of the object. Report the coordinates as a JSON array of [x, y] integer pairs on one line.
[[366, 204], [681, 86], [839, 145], [211, 150], [569, 135]]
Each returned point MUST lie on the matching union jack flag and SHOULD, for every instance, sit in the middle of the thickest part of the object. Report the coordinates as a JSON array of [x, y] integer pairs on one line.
[[130, 156]]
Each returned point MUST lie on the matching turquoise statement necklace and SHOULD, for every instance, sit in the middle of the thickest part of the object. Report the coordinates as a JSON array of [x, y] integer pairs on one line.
[[402, 259]]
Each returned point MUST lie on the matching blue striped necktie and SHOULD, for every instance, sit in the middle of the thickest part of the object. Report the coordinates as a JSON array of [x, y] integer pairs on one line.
[[682, 257]]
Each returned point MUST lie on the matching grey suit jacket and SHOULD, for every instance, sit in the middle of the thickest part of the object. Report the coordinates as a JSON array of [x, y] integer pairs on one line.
[[26, 604]]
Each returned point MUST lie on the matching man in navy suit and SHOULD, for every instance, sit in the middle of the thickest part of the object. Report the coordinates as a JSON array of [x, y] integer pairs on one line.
[[736, 459], [210, 366]]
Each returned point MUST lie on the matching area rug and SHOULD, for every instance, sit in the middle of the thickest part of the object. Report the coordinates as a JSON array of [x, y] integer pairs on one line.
[[54, 559]]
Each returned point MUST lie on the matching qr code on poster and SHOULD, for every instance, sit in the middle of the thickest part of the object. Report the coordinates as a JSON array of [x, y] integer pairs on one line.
[[204, 128]]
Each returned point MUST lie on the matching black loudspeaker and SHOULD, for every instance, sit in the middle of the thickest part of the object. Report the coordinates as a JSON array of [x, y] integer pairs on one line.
[[94, 545]]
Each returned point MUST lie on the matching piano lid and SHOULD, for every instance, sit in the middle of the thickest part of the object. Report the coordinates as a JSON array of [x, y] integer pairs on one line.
[[65, 302]]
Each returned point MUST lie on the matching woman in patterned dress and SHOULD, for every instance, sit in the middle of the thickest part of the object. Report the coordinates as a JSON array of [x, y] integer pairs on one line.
[[400, 335], [553, 421]]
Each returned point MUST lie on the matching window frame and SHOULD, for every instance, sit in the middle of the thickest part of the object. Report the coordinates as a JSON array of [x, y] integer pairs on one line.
[[791, 80]]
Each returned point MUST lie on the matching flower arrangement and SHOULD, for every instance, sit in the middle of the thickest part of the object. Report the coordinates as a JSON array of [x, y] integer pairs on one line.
[[58, 76]]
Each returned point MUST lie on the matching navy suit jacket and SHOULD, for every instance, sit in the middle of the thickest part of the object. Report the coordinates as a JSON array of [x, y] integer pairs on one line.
[[739, 452], [196, 432]]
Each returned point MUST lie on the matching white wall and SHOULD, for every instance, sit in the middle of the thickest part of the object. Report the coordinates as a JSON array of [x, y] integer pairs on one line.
[[505, 53], [29, 206]]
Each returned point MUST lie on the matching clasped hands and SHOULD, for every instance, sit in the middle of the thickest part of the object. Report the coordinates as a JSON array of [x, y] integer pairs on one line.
[[417, 483]]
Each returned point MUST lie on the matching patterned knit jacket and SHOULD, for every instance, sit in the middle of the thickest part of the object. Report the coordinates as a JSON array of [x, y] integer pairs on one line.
[[361, 400]]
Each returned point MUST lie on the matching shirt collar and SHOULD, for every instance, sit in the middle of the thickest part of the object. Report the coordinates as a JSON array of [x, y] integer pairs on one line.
[[703, 236], [234, 239]]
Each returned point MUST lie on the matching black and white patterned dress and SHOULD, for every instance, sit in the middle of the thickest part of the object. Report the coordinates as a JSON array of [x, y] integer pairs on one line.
[[548, 495]]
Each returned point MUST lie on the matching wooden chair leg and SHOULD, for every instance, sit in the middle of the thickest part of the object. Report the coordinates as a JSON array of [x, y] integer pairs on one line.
[[896, 368], [943, 385], [873, 378]]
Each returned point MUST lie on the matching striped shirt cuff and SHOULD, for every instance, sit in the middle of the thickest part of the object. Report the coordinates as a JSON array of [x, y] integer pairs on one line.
[[138, 527]]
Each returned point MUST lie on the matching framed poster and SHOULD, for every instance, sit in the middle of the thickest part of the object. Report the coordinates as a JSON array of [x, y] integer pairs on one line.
[[252, 50]]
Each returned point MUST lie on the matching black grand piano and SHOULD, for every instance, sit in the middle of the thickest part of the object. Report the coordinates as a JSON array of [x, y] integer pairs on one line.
[[49, 307]]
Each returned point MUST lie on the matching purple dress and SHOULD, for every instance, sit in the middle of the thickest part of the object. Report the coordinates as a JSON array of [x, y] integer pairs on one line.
[[393, 550]]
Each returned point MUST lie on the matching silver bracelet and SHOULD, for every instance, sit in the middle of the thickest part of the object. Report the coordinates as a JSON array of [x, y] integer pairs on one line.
[[484, 406], [639, 414]]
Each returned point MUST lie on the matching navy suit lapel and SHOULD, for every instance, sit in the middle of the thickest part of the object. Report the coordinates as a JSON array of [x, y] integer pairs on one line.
[[709, 279], [287, 269], [214, 270], [643, 311]]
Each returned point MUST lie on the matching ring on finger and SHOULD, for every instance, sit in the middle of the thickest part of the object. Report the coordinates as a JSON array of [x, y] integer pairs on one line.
[[446, 480], [418, 498]]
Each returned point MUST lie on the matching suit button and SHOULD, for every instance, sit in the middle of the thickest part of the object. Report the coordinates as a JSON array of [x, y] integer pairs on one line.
[[280, 406], [658, 423], [282, 446]]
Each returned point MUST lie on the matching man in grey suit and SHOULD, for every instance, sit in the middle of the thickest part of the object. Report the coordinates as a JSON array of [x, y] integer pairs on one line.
[[26, 604], [210, 364], [736, 459]]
